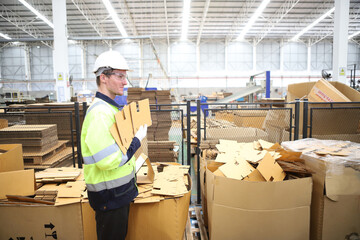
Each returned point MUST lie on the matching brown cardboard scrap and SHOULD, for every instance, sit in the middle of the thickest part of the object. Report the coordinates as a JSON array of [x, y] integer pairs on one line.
[[124, 124], [270, 169], [265, 144], [115, 134], [144, 177], [237, 169], [254, 176], [152, 199], [140, 114]]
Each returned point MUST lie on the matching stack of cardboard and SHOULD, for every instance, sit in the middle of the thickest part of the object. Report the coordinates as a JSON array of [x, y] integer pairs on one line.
[[163, 126], [163, 97], [4, 123], [162, 151], [151, 95], [335, 205], [41, 147], [248, 191], [59, 116], [134, 94]]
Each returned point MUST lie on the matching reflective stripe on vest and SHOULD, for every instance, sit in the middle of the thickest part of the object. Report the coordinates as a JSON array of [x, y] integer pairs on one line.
[[110, 184], [101, 102], [104, 153]]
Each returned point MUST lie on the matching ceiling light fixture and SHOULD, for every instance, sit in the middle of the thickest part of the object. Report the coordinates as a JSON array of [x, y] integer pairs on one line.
[[115, 18], [353, 35], [5, 36], [185, 19], [296, 37], [253, 19], [39, 15]]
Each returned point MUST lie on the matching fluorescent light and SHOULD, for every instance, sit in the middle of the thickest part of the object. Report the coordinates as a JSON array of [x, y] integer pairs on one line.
[[296, 37], [115, 18], [253, 19], [353, 35], [5, 36], [185, 19], [42, 17]]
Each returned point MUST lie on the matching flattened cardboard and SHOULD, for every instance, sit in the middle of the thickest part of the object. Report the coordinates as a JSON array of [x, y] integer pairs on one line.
[[124, 125], [12, 159], [115, 134], [149, 177], [21, 182], [236, 169], [270, 169], [140, 114], [254, 176]]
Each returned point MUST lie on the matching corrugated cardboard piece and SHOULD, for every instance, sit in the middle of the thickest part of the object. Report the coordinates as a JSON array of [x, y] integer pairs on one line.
[[323, 91], [129, 119], [143, 177], [11, 157]]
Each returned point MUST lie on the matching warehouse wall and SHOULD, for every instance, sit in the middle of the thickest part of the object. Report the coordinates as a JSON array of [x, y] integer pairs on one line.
[[214, 63]]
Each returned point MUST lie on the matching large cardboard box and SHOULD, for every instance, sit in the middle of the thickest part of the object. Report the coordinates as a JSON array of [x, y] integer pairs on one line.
[[11, 158], [258, 210], [335, 204], [302, 90], [71, 221], [337, 213], [250, 118]]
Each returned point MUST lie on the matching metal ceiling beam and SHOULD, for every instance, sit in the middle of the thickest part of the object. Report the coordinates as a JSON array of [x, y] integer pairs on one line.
[[167, 24], [91, 18], [206, 9], [240, 19], [126, 12], [20, 23], [276, 18], [319, 11]]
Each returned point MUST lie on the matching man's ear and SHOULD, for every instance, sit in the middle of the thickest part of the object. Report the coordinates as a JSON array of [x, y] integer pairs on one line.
[[103, 78]]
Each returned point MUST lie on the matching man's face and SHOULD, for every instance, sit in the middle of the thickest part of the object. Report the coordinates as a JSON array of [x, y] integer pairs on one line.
[[116, 81]]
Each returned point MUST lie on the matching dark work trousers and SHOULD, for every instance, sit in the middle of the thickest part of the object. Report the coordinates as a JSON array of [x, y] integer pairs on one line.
[[112, 225]]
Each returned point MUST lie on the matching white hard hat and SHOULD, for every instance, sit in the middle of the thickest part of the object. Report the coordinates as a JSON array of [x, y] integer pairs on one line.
[[110, 59]]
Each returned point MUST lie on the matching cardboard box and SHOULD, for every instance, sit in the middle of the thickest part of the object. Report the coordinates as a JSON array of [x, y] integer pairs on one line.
[[70, 221], [337, 213], [239, 134], [302, 90], [250, 118], [12, 158], [21, 182], [335, 204], [258, 210], [323, 91]]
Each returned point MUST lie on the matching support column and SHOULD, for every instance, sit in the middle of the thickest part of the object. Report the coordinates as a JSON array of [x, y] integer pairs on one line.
[[60, 54], [308, 68], [27, 68], [340, 45]]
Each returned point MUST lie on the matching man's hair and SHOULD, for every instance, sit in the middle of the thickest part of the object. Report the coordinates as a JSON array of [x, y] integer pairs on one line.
[[106, 72]]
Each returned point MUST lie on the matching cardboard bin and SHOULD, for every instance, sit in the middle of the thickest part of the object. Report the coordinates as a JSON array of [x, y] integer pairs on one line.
[[258, 210]]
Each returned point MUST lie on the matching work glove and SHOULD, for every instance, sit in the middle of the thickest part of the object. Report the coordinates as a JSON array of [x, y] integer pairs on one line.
[[141, 133]]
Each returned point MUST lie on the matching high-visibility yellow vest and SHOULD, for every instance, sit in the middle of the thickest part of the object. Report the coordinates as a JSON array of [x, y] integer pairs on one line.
[[106, 168]]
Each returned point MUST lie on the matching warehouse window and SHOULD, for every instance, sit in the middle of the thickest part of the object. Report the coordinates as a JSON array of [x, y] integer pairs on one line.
[[353, 55], [12, 63], [240, 56], [75, 58], [212, 56], [130, 51], [295, 57], [268, 56], [321, 55], [183, 59], [92, 52], [150, 64]]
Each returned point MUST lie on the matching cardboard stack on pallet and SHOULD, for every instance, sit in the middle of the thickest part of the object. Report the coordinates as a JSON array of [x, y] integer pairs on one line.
[[59, 116], [162, 151], [40, 144], [134, 94]]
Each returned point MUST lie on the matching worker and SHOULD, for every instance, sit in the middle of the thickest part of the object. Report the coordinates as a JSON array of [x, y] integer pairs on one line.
[[109, 173]]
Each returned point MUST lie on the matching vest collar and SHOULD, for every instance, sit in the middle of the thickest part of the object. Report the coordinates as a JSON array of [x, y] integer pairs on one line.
[[107, 99]]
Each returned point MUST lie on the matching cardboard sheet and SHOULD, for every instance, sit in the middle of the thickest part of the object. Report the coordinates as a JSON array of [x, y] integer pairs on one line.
[[124, 125], [140, 114], [144, 177], [238, 169], [270, 169]]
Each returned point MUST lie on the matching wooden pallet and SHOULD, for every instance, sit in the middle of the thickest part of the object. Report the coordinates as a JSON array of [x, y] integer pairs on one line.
[[41, 157], [53, 161], [192, 233]]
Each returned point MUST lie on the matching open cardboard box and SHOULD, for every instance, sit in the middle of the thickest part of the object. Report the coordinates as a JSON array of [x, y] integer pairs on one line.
[[257, 210], [240, 134], [302, 90], [14, 180], [335, 204]]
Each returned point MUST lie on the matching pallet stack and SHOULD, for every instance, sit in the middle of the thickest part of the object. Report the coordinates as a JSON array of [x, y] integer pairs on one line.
[[134, 94], [41, 147], [162, 151]]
